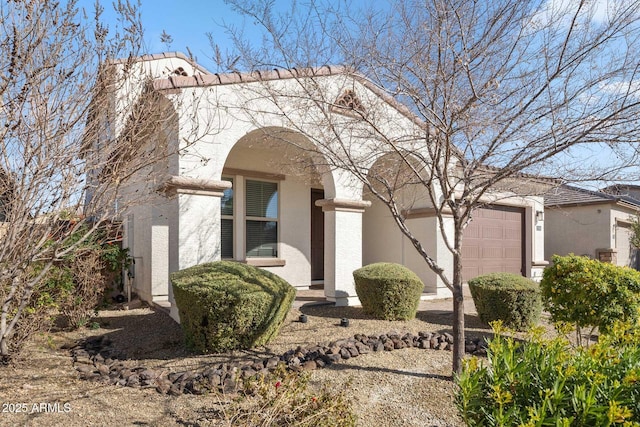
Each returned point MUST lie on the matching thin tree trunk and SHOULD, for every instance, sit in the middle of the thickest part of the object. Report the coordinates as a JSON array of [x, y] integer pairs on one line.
[[4, 348], [458, 329], [458, 315], [4, 329]]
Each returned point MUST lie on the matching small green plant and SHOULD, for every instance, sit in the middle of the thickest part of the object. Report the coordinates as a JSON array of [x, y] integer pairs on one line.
[[284, 398], [50, 342], [228, 305], [590, 293], [510, 298], [551, 383], [115, 256], [74, 285], [388, 291]]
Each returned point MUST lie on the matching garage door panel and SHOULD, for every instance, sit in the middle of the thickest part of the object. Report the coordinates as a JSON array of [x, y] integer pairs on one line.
[[472, 231], [493, 242], [513, 216], [512, 254], [511, 233], [492, 232], [470, 271], [492, 253], [491, 213], [470, 252]]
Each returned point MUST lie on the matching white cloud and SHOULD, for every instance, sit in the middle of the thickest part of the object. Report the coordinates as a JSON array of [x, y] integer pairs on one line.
[[562, 11]]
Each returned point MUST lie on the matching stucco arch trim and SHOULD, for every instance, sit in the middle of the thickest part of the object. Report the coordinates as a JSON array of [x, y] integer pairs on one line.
[[343, 205], [201, 187], [298, 156]]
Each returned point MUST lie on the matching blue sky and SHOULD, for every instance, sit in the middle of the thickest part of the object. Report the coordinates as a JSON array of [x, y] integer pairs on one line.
[[187, 21]]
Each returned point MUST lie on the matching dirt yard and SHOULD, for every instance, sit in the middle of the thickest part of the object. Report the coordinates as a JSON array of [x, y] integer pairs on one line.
[[405, 387]]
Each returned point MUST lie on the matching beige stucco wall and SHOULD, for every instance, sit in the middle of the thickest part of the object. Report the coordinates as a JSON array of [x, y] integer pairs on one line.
[[621, 218], [578, 229], [383, 242], [583, 230]]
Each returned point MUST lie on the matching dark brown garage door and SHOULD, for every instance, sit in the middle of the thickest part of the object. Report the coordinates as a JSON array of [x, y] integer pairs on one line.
[[493, 242]]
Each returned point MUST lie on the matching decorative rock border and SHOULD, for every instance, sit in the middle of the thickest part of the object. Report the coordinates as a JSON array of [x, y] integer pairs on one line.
[[96, 360]]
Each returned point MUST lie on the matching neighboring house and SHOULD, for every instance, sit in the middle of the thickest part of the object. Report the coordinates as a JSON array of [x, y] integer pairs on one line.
[[591, 223], [630, 190], [229, 195]]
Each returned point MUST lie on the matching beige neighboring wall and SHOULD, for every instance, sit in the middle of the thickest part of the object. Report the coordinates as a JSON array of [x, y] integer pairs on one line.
[[577, 229], [621, 218]]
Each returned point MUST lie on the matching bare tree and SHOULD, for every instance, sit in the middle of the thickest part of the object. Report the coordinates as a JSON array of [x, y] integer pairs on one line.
[[498, 90], [58, 78]]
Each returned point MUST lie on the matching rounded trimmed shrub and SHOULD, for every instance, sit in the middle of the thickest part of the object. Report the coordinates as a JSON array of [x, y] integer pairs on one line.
[[587, 292], [513, 299], [227, 305], [388, 291]]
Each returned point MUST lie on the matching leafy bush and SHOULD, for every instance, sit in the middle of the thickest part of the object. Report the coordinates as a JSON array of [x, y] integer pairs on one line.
[[89, 280], [513, 299], [588, 292], [388, 291], [551, 383], [227, 305], [284, 399], [76, 284], [53, 288]]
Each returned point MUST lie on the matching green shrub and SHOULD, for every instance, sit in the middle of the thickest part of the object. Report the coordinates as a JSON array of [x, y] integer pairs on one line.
[[513, 299], [48, 288], [89, 284], [551, 383], [228, 305], [78, 283], [388, 291], [588, 292]]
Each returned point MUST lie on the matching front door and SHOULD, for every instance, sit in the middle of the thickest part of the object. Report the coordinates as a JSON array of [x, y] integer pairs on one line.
[[317, 236]]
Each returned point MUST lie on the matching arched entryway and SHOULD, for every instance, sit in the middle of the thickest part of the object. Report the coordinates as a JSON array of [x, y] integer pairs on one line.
[[269, 217], [394, 179]]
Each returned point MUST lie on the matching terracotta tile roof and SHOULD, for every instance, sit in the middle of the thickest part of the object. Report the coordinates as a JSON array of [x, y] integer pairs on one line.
[[218, 79], [568, 195]]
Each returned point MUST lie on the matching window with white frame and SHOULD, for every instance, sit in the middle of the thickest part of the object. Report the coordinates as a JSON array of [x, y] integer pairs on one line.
[[261, 216], [226, 222]]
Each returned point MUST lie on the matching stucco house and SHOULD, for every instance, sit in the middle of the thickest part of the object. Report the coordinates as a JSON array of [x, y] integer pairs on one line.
[[228, 194], [591, 223]]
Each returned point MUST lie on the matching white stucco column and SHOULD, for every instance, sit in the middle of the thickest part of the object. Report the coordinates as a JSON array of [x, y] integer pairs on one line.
[[444, 255], [159, 253], [342, 248], [425, 226], [534, 223], [197, 239]]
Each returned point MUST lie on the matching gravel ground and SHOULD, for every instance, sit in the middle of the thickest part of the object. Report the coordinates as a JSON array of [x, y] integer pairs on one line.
[[408, 387]]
